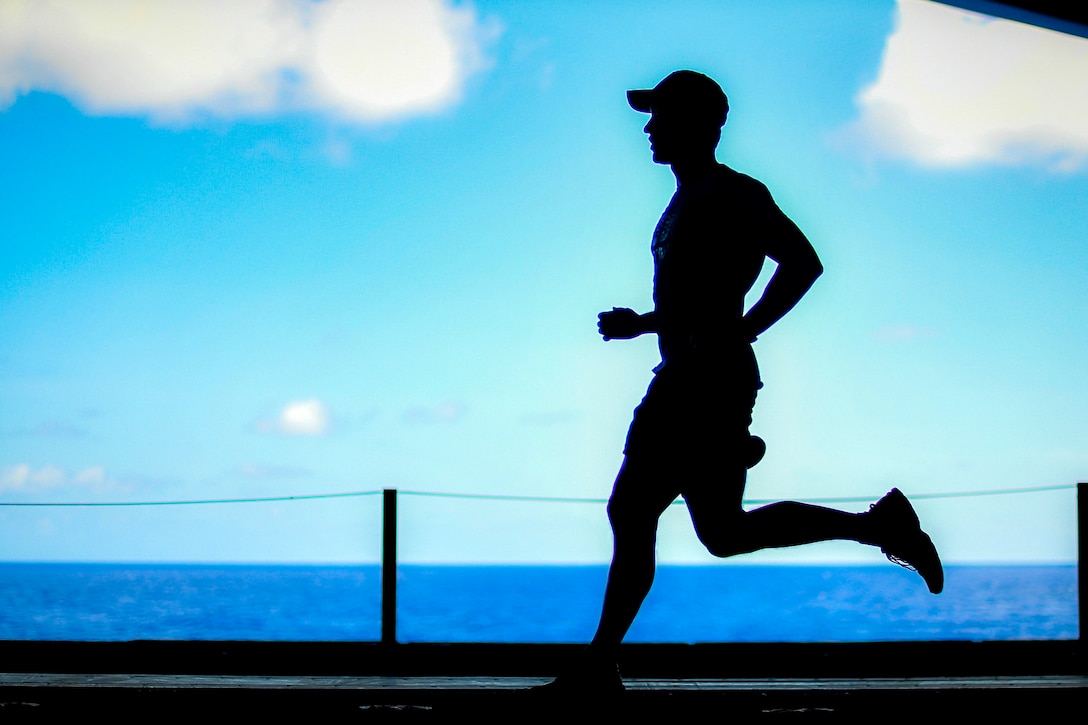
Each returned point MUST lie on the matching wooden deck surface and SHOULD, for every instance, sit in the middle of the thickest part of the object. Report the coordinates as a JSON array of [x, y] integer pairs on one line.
[[431, 683], [58, 697], [484, 683]]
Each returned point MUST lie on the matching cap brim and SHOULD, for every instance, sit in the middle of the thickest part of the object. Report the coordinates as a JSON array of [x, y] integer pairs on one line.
[[640, 100]]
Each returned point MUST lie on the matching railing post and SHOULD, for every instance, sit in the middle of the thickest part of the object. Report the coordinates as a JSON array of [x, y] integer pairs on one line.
[[1082, 561], [389, 566]]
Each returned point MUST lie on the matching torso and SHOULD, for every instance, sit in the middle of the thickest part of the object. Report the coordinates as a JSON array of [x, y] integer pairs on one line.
[[708, 252]]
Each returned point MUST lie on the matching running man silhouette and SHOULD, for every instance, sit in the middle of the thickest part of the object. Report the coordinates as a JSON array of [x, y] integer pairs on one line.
[[689, 436]]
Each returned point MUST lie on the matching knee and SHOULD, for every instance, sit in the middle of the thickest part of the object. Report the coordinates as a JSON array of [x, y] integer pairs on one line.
[[630, 520], [722, 546], [729, 539]]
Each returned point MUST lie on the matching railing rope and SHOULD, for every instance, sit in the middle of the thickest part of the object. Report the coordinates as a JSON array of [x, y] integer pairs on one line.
[[512, 497]]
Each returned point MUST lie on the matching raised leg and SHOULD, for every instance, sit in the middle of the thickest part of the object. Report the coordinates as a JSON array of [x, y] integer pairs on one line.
[[726, 529]]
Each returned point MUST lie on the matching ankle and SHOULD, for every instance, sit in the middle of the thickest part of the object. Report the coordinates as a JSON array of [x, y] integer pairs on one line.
[[868, 530]]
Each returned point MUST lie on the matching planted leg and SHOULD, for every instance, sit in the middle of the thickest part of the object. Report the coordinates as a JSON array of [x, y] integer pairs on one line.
[[638, 499]]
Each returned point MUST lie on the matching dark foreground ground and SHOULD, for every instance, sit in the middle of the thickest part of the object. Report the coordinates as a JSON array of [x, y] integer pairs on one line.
[[71, 698], [344, 682]]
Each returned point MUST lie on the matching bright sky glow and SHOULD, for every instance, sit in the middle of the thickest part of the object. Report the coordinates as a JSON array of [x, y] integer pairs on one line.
[[171, 59], [285, 248], [299, 418], [956, 88]]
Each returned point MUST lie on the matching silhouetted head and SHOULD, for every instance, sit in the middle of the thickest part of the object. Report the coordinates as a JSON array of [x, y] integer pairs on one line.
[[687, 111]]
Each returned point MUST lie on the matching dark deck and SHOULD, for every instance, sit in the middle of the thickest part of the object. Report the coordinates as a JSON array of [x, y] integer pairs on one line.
[[37, 697], [340, 682]]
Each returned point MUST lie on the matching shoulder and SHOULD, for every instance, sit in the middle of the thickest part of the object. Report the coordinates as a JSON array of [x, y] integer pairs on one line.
[[735, 183]]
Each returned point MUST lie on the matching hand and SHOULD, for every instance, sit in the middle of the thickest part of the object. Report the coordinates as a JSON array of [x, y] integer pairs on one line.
[[621, 323]]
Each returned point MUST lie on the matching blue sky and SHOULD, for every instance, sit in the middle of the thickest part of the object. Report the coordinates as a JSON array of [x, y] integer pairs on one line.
[[253, 264]]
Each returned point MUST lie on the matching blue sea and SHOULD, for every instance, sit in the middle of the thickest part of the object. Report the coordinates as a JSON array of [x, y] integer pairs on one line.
[[531, 603]]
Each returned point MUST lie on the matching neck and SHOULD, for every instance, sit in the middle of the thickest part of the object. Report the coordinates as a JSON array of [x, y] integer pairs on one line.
[[692, 171]]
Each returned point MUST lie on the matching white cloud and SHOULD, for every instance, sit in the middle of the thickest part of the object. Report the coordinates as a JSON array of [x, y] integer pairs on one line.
[[23, 477], [14, 478], [365, 60], [374, 58], [956, 88], [92, 475], [299, 418]]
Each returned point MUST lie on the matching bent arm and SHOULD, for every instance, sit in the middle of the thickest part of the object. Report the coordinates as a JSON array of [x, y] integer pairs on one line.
[[798, 269], [623, 323]]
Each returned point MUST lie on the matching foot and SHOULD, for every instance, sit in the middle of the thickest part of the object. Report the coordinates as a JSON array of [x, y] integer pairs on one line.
[[899, 535], [588, 678]]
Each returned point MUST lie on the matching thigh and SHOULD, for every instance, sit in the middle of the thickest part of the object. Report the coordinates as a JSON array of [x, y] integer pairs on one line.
[[642, 491], [714, 500]]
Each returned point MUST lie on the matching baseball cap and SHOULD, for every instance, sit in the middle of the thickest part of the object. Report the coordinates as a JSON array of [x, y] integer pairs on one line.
[[686, 91]]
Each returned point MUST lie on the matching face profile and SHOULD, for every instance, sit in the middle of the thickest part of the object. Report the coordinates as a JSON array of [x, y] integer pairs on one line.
[[675, 139], [687, 111]]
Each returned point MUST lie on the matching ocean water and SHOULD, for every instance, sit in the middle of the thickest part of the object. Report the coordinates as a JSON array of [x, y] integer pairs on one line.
[[117, 602]]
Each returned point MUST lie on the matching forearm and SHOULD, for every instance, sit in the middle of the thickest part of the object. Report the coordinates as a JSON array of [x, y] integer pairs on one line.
[[648, 322], [783, 292]]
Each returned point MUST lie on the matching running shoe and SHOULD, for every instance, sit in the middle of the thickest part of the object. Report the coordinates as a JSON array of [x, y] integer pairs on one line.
[[900, 537]]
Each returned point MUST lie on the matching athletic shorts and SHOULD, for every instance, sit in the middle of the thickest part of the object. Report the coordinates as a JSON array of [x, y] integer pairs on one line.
[[696, 407]]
